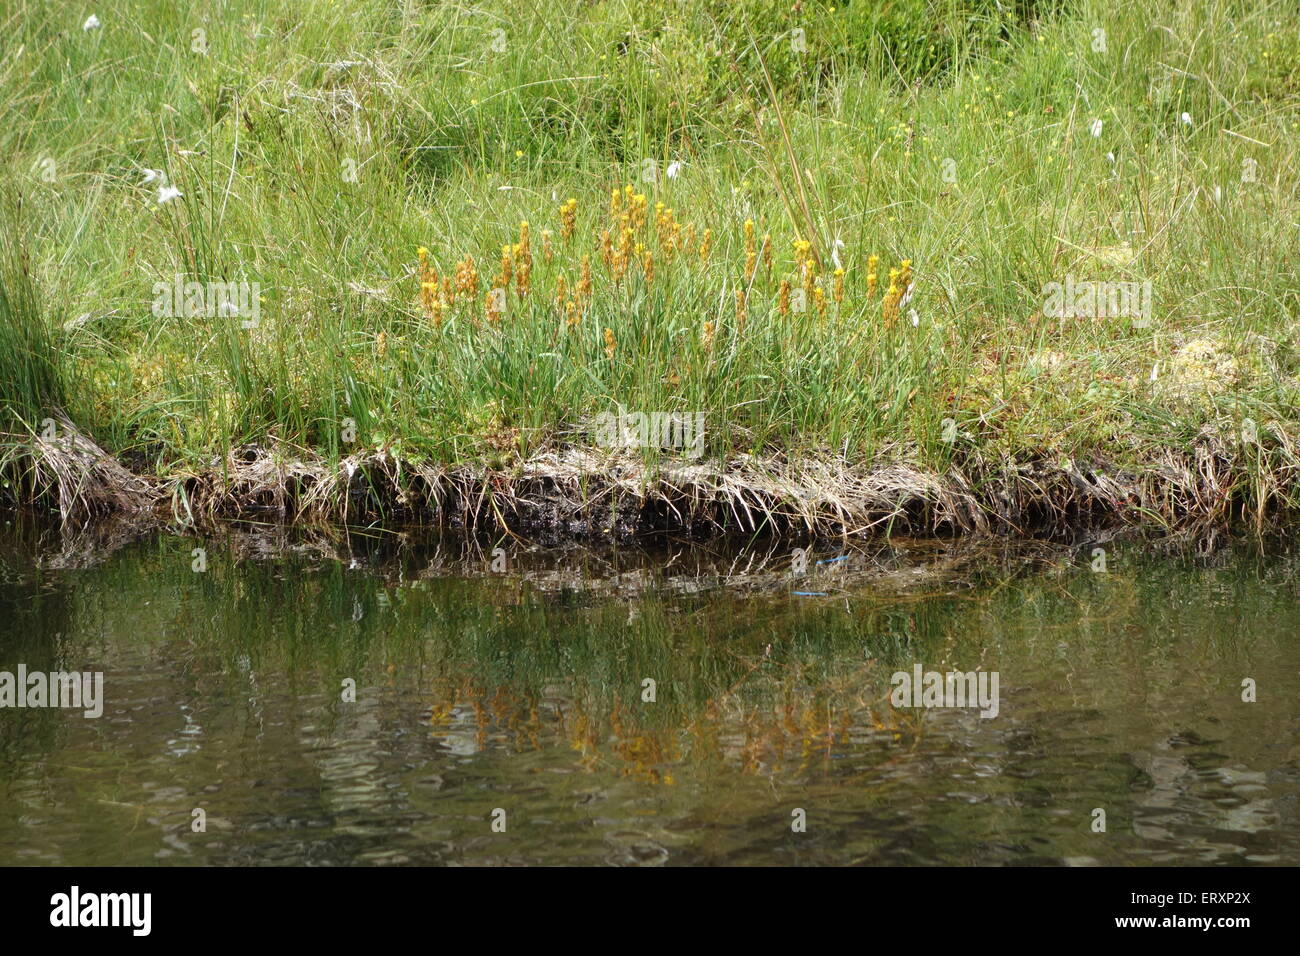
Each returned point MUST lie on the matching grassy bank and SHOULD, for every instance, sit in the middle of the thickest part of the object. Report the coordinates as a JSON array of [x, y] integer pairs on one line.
[[877, 345]]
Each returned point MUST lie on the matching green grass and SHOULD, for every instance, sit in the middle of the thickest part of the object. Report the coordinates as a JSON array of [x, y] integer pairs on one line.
[[461, 120]]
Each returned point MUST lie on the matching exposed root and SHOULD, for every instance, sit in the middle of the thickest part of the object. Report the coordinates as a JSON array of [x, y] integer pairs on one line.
[[57, 466], [576, 492]]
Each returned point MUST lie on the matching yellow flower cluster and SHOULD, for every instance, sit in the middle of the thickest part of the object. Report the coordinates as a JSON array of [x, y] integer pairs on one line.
[[900, 280], [661, 247]]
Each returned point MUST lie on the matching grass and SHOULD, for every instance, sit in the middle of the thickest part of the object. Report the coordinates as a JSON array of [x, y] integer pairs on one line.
[[317, 150]]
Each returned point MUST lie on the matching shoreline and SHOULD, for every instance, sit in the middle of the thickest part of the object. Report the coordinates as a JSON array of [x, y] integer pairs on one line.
[[576, 493]]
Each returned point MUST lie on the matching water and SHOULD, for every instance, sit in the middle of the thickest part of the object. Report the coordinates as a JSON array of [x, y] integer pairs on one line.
[[522, 691]]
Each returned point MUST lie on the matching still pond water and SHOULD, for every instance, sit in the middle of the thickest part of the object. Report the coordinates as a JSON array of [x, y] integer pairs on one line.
[[517, 696]]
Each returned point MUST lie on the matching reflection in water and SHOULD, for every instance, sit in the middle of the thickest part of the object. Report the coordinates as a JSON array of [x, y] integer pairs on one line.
[[673, 706]]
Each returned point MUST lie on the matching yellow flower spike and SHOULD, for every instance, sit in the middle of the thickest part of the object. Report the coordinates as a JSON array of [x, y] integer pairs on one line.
[[606, 249], [572, 315], [871, 285], [742, 309], [707, 338], [783, 298], [839, 286], [610, 344], [615, 203], [546, 245], [648, 265], [889, 308], [706, 245], [767, 253], [507, 266], [561, 290], [820, 298], [568, 218]]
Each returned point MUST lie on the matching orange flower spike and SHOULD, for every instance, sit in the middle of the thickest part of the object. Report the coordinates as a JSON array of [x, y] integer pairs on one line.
[[584, 282], [494, 305], [606, 249]]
